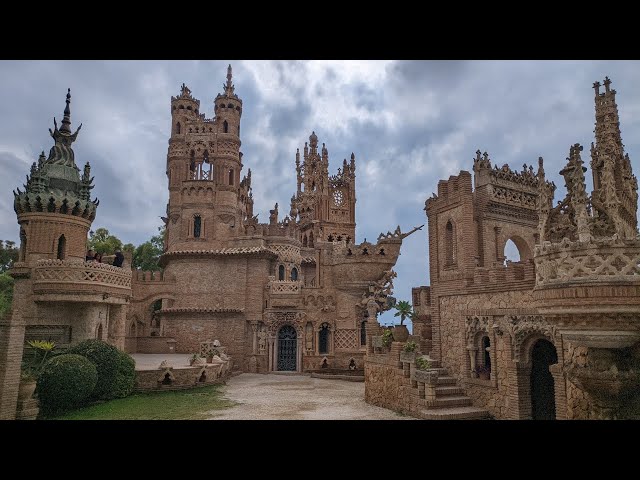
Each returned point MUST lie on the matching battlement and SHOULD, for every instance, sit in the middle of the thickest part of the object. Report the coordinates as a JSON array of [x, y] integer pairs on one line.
[[451, 191], [505, 276], [143, 276], [527, 180]]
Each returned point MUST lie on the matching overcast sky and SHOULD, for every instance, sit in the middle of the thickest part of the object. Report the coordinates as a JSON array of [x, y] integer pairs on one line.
[[409, 123]]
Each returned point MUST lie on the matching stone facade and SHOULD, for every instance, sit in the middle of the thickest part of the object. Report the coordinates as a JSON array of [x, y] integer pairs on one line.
[[556, 334]]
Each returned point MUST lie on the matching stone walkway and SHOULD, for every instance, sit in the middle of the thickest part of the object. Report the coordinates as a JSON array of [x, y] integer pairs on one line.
[[298, 397]]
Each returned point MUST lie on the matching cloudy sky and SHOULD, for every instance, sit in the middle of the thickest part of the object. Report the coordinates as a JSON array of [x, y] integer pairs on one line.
[[409, 123]]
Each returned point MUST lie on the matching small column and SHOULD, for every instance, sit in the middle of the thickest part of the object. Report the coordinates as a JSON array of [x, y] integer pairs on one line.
[[472, 358], [271, 348], [299, 354], [254, 329]]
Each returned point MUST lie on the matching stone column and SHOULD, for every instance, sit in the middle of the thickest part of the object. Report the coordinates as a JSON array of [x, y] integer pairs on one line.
[[299, 354], [271, 349], [472, 358], [11, 347], [117, 327], [254, 329]]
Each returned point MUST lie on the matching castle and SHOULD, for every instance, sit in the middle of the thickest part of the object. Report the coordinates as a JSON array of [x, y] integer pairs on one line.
[[554, 335], [294, 294]]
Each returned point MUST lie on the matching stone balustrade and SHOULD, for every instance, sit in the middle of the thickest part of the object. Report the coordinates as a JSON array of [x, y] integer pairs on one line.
[[597, 261], [284, 287], [62, 276]]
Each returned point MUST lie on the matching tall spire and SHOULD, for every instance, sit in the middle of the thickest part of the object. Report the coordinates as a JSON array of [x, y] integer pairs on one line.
[[229, 88], [66, 120]]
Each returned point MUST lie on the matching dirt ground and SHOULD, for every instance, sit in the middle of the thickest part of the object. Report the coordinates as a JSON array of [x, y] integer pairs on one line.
[[298, 397]]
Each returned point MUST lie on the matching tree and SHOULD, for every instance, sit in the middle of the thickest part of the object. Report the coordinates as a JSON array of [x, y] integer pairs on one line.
[[147, 255], [8, 254], [101, 241], [404, 311]]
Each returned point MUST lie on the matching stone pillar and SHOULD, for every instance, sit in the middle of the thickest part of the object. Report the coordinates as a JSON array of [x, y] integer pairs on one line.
[[117, 325], [254, 329], [472, 359], [271, 349], [299, 354], [559, 391], [11, 347]]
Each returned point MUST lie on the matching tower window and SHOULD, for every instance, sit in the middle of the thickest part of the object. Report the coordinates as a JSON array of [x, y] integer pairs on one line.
[[281, 272], [197, 226], [62, 243], [323, 338], [450, 244], [363, 332], [178, 127], [231, 176], [294, 274], [225, 127]]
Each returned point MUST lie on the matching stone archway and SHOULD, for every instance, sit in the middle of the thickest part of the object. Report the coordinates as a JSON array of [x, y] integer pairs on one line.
[[543, 402], [287, 349]]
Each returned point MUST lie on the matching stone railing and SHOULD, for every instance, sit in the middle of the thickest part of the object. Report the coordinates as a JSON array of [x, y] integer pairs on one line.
[[284, 287], [599, 260], [60, 274]]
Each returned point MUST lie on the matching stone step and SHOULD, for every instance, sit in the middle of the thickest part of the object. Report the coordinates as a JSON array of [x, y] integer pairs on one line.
[[455, 413], [439, 371], [447, 380], [453, 401], [449, 390]]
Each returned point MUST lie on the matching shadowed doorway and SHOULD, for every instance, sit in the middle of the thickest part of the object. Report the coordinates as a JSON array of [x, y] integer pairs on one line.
[[543, 401]]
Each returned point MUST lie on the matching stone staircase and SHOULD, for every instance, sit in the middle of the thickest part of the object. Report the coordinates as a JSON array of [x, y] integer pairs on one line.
[[445, 399]]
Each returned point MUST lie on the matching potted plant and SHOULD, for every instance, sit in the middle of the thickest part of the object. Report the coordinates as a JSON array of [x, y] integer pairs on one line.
[[483, 372], [423, 363], [32, 367], [404, 310], [422, 373], [193, 359], [409, 352]]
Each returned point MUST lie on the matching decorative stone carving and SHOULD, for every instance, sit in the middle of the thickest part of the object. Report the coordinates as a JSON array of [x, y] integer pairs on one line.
[[521, 327]]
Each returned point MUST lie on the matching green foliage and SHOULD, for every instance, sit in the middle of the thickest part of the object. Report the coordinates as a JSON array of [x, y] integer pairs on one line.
[[8, 254], [66, 382], [101, 241], [6, 293], [410, 347], [423, 363], [128, 247], [34, 361], [106, 358], [147, 255], [387, 338], [404, 311], [125, 378]]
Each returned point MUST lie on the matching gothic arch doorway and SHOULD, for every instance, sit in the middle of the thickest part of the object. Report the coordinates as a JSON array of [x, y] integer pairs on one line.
[[543, 400], [287, 349]]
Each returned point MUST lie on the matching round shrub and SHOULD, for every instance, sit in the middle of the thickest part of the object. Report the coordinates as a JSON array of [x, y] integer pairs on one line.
[[125, 378], [106, 359], [66, 382]]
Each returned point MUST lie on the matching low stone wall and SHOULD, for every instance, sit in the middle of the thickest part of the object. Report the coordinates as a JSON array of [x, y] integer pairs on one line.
[[170, 378], [154, 344]]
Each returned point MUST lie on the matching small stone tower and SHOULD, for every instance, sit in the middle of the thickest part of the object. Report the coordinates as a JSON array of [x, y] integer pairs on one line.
[[325, 204], [55, 211]]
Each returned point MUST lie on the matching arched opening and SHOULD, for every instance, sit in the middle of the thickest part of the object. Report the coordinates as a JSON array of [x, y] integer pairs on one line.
[[294, 274], [287, 349], [281, 272], [23, 245], [311, 240], [167, 379], [192, 164], [197, 226], [155, 314], [450, 244], [363, 332], [486, 355], [132, 329], [511, 252], [99, 332], [203, 377], [543, 400], [205, 156], [178, 127], [304, 241], [225, 127], [62, 246], [323, 338], [330, 238], [231, 176]]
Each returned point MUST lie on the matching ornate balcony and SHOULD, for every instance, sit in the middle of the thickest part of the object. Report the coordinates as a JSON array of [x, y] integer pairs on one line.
[[61, 280], [284, 287]]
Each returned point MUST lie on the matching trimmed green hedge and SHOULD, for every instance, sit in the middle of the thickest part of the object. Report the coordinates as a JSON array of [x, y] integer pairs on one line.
[[125, 378], [66, 382], [106, 359]]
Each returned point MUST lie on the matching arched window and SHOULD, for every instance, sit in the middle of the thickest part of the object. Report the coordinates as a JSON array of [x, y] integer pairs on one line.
[[231, 176], [178, 127], [132, 329], [192, 163], [450, 244], [238, 130], [225, 127], [205, 156], [197, 226], [311, 240], [99, 332], [363, 332], [62, 245], [281, 272], [486, 356], [511, 252], [304, 241], [294, 274], [23, 245], [323, 338]]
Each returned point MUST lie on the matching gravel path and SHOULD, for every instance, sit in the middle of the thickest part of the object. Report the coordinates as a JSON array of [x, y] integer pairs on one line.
[[298, 397]]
